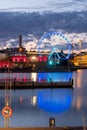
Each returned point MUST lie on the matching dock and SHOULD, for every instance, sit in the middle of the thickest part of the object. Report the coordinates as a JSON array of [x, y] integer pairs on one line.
[[44, 128], [35, 85]]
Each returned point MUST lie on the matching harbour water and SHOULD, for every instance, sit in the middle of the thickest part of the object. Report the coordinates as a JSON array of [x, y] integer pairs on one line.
[[34, 107]]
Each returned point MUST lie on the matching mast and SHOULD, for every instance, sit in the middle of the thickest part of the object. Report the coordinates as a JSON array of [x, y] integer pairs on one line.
[[7, 110]]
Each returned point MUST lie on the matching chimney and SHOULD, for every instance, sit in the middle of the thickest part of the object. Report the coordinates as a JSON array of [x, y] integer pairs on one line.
[[20, 41]]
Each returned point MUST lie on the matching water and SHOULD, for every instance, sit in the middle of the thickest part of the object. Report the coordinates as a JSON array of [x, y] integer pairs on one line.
[[33, 108], [40, 77]]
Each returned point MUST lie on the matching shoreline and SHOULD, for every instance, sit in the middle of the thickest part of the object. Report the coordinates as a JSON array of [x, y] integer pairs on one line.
[[44, 128], [43, 69], [36, 85], [29, 84]]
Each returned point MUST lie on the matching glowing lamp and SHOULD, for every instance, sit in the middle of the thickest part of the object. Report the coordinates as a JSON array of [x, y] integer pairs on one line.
[[40, 58], [24, 59], [76, 64], [33, 57], [50, 62], [20, 49]]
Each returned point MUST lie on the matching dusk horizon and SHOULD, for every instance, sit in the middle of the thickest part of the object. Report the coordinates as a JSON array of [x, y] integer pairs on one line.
[[34, 19]]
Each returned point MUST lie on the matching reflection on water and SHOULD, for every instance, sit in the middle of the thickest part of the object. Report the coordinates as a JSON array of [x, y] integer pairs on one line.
[[46, 77], [30, 105], [78, 77], [56, 101], [35, 107], [55, 77]]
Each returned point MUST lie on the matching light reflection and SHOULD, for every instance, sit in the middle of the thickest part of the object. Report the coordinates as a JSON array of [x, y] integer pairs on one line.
[[55, 77], [78, 78], [34, 76], [34, 100], [78, 103], [41, 77], [21, 99], [56, 101], [62, 76]]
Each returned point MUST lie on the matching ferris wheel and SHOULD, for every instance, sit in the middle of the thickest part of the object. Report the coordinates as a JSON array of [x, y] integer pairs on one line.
[[58, 45]]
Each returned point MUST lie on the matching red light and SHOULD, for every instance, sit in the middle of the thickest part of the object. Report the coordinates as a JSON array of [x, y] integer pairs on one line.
[[40, 58], [24, 59], [45, 58], [13, 59], [19, 59]]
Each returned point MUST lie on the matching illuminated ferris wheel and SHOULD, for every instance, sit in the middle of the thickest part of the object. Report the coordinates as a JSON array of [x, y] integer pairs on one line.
[[58, 45]]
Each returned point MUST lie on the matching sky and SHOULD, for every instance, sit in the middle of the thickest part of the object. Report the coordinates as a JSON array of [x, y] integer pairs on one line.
[[45, 5], [70, 15]]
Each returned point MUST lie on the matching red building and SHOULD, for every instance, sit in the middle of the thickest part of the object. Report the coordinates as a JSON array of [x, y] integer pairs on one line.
[[4, 64], [19, 58], [42, 58]]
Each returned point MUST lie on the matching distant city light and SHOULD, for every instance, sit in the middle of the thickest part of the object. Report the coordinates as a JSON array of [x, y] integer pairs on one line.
[[50, 62]]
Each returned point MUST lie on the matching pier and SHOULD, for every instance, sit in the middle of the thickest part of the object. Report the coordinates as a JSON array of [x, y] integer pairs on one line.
[[45, 128], [35, 85]]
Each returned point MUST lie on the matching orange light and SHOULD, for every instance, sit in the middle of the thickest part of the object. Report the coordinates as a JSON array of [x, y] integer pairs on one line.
[[33, 57], [20, 49]]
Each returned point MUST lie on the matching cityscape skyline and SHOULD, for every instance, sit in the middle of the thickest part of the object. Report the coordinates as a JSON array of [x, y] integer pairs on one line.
[[34, 18]]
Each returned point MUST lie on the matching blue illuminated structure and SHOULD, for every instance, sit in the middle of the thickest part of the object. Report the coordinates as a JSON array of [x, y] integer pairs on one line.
[[55, 101], [55, 76], [58, 55]]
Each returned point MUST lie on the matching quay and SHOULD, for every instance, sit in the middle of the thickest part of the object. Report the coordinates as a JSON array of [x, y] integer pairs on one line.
[[44, 128], [59, 68], [35, 85]]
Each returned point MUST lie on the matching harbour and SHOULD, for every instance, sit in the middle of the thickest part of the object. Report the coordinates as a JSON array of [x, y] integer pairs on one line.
[[34, 80], [43, 65], [30, 104], [41, 81], [45, 128]]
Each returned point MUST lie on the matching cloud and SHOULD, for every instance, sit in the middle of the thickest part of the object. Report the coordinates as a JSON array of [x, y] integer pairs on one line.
[[31, 42], [33, 25], [42, 6], [13, 24], [31, 45]]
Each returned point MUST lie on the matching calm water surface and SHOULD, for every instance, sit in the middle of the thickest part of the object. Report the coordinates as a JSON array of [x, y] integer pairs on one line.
[[32, 108]]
